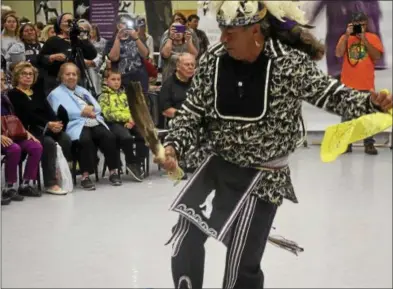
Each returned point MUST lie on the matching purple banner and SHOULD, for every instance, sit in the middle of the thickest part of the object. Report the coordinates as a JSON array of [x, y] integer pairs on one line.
[[103, 14]]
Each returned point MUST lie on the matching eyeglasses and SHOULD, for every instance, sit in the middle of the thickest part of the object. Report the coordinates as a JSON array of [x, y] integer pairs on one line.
[[25, 74]]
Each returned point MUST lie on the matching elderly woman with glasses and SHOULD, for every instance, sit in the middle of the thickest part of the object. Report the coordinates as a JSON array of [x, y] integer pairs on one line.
[[85, 125], [37, 116], [12, 148]]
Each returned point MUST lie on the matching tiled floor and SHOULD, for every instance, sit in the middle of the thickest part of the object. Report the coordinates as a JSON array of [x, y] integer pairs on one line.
[[114, 237]]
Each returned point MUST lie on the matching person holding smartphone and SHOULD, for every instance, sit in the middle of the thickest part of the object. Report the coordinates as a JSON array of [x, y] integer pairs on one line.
[[360, 51], [180, 41], [127, 52]]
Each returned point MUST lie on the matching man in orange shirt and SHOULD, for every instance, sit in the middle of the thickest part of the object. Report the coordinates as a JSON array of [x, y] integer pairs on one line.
[[360, 49]]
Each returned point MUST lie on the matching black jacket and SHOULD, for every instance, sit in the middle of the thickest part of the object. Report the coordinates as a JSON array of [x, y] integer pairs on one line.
[[34, 111]]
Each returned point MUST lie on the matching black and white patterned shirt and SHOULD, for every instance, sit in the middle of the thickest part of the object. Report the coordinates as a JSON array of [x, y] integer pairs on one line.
[[251, 113]]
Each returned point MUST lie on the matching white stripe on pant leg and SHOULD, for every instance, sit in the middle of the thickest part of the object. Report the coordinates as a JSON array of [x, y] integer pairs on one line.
[[182, 234], [236, 231], [178, 230], [235, 241], [239, 241], [240, 252]]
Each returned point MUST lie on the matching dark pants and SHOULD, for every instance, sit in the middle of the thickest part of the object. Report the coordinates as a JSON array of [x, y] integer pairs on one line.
[[245, 248], [49, 155], [126, 138], [91, 138]]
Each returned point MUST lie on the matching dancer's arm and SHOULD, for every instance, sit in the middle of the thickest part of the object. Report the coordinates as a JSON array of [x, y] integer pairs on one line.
[[309, 83], [185, 125]]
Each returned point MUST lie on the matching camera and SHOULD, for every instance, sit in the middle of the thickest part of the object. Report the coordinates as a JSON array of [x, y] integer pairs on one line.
[[75, 30], [130, 25], [357, 29]]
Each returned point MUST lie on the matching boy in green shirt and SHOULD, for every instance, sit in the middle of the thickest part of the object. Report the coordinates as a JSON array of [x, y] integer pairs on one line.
[[115, 109]]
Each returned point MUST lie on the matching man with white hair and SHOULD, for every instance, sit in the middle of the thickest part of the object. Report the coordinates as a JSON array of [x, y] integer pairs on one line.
[[247, 93], [174, 89]]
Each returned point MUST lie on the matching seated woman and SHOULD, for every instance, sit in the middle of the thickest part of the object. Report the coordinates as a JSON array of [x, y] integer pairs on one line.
[[85, 125], [13, 149], [37, 116], [116, 111]]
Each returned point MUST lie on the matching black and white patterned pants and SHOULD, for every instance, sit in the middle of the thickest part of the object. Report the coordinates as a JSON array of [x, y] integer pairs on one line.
[[245, 247]]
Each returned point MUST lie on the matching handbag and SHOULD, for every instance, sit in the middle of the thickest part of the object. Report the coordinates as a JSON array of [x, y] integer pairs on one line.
[[12, 127]]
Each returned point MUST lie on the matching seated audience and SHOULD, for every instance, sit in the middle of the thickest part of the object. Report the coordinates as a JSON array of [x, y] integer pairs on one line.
[[173, 90], [146, 38], [37, 116], [39, 26], [127, 52], [193, 22], [58, 50], [93, 66], [85, 125], [9, 34], [29, 50], [175, 42], [47, 33], [99, 43], [13, 148], [116, 112]]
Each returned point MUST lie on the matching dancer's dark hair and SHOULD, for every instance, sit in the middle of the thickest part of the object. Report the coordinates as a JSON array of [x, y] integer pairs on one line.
[[297, 36]]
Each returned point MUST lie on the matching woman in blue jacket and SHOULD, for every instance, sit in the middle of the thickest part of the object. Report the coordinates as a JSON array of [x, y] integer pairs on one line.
[[84, 124]]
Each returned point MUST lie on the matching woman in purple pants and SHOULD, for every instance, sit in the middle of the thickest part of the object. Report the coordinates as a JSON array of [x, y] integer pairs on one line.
[[13, 151]]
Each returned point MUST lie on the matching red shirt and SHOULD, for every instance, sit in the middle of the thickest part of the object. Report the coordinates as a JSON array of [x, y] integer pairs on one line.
[[358, 67]]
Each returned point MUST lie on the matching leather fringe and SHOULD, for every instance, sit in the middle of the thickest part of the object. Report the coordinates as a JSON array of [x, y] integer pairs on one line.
[[285, 244]]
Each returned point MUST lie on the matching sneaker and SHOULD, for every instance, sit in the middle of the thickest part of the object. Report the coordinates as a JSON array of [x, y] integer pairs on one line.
[[5, 200], [115, 179], [29, 191], [12, 194], [87, 184], [370, 150], [136, 172]]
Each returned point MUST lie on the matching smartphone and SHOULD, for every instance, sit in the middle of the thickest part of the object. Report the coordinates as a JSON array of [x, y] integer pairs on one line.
[[180, 28]]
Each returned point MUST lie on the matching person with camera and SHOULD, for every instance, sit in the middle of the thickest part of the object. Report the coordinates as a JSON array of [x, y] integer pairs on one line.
[[127, 52], [360, 50], [59, 49], [178, 40]]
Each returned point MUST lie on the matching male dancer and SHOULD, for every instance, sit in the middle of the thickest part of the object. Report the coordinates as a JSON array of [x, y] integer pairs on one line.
[[247, 93]]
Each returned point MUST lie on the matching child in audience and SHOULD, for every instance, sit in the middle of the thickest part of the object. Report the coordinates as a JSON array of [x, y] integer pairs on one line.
[[115, 109]]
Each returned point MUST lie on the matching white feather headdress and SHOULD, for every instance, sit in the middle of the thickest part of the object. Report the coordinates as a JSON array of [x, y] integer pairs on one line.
[[248, 12]]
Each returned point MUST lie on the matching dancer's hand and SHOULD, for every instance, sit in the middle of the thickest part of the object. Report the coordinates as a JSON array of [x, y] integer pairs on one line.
[[170, 162], [383, 99]]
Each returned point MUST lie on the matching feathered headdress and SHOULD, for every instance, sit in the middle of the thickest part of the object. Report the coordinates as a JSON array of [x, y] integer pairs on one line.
[[243, 13]]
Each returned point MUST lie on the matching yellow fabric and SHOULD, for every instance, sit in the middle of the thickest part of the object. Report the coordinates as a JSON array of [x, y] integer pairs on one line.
[[338, 137]]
